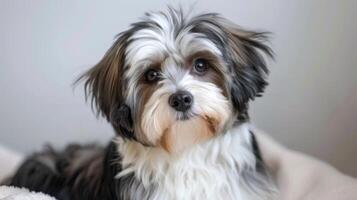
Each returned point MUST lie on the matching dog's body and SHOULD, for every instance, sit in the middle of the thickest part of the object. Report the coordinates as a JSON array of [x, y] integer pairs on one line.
[[176, 90], [231, 169]]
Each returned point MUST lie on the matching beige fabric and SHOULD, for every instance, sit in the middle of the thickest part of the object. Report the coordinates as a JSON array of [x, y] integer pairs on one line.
[[9, 161], [302, 177]]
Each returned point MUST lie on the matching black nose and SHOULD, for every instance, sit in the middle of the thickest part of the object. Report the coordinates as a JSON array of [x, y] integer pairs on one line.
[[181, 101]]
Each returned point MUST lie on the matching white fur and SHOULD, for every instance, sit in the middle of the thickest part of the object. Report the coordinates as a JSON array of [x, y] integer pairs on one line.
[[207, 171]]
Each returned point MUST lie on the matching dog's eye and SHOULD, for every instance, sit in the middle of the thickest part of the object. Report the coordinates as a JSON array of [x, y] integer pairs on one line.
[[200, 66], [152, 75]]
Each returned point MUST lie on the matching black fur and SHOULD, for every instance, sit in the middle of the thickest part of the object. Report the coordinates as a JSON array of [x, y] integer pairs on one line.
[[77, 173], [122, 121], [258, 156], [40, 173]]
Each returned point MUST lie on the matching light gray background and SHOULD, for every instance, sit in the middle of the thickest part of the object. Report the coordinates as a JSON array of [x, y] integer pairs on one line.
[[310, 105]]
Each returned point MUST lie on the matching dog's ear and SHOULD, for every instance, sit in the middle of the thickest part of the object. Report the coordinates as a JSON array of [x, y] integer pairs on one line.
[[246, 52], [104, 85]]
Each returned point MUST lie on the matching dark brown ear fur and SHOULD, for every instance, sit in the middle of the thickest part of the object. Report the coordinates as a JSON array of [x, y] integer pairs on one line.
[[247, 49], [104, 85]]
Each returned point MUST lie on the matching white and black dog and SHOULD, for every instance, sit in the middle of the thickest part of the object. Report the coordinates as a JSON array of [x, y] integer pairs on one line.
[[176, 90]]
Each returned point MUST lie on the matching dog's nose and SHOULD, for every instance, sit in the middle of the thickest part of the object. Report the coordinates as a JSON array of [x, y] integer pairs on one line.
[[181, 101]]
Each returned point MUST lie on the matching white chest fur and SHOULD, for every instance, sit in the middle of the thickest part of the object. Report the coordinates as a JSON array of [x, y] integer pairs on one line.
[[212, 170]]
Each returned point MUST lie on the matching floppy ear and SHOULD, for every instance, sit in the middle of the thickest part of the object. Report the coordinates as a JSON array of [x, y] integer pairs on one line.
[[244, 52], [104, 86], [247, 52]]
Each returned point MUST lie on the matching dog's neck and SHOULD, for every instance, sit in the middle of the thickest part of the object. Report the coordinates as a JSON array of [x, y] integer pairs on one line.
[[205, 171]]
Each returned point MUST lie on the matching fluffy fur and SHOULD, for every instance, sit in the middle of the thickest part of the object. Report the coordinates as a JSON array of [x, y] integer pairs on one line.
[[211, 170], [205, 151]]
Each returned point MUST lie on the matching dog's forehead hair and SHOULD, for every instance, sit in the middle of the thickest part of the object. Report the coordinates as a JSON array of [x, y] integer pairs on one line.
[[164, 38]]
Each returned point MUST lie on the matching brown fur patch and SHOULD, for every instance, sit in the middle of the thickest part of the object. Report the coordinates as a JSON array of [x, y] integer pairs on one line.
[[104, 82], [165, 141], [173, 140], [212, 124]]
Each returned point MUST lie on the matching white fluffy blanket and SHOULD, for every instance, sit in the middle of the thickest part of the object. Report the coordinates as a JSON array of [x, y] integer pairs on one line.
[[12, 193]]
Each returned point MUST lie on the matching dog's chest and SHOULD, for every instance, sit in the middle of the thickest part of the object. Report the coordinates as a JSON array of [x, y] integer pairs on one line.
[[198, 183], [189, 181], [209, 171]]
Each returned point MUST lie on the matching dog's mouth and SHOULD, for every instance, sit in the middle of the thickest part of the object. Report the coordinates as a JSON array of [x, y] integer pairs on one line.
[[182, 116]]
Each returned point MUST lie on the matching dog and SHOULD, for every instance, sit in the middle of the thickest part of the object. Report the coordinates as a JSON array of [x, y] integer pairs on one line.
[[175, 87]]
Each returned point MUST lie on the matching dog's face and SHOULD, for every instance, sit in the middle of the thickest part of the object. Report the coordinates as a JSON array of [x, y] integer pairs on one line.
[[173, 81]]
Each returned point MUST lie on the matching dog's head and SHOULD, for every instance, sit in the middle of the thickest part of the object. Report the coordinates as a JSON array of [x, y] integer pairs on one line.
[[172, 81]]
